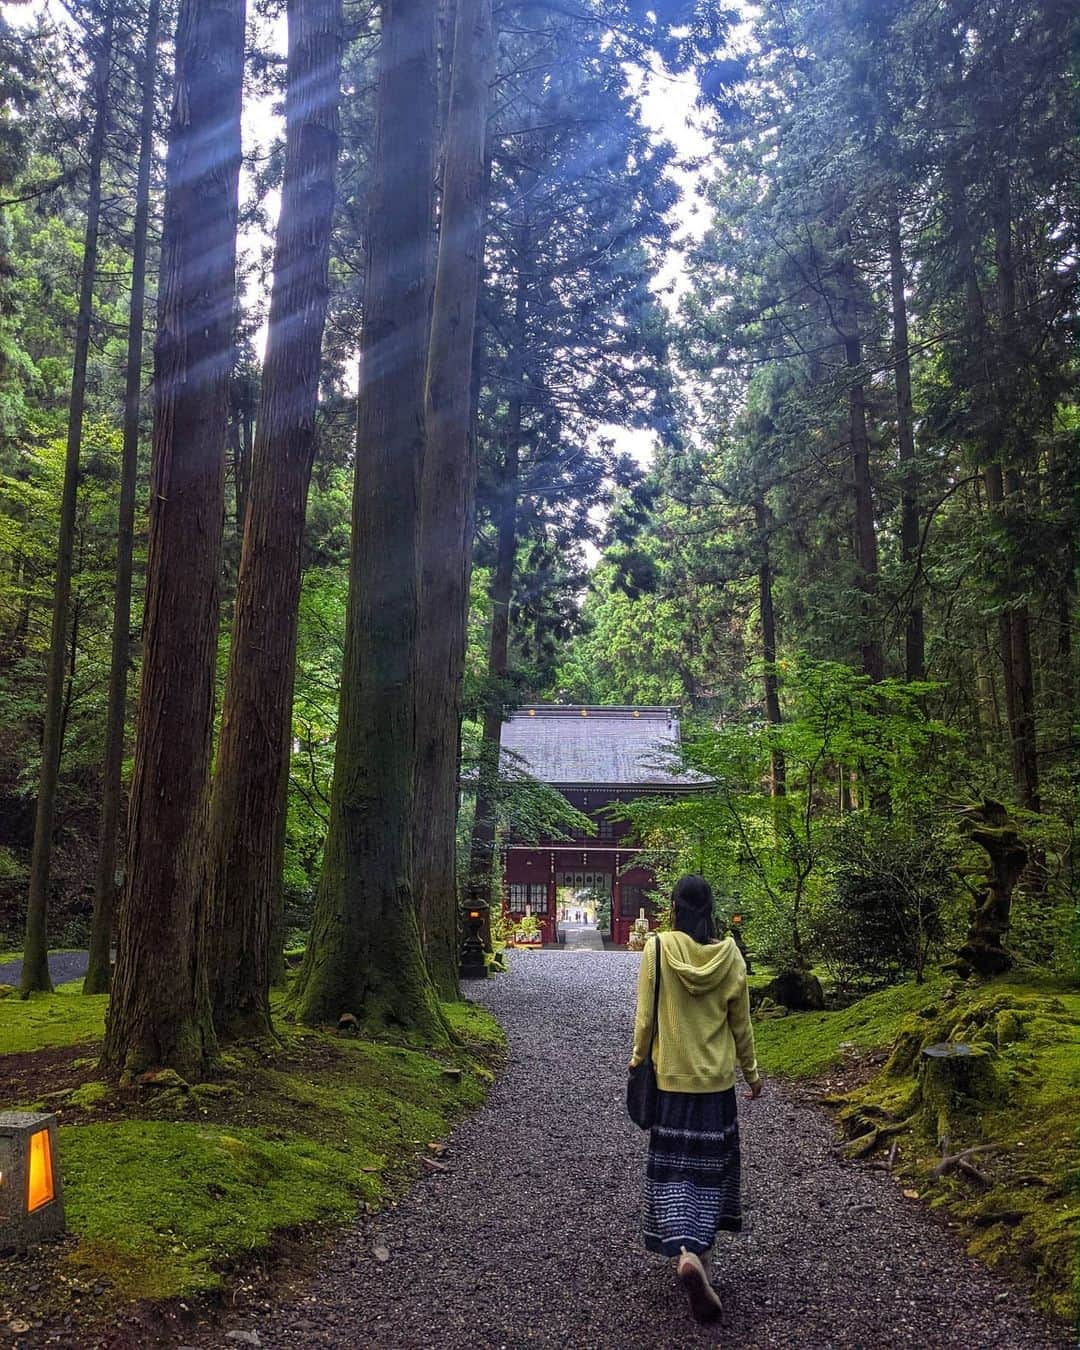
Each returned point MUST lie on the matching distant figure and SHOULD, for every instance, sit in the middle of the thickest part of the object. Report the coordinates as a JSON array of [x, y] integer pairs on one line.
[[692, 1177]]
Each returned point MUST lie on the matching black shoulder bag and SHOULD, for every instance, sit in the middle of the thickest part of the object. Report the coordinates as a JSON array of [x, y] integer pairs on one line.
[[641, 1089]]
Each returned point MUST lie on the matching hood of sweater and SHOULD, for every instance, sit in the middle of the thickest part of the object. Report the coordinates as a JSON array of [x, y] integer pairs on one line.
[[702, 967]]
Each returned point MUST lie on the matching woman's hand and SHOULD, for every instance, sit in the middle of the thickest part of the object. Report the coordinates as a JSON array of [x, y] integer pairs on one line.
[[755, 1090], [632, 1065]]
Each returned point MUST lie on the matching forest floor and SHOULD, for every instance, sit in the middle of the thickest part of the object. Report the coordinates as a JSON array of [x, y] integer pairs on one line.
[[524, 1231]]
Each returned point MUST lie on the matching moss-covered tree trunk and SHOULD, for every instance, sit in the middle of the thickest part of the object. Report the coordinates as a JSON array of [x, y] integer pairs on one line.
[[98, 972], [160, 1010], [990, 826], [365, 955], [247, 810], [448, 495], [35, 966]]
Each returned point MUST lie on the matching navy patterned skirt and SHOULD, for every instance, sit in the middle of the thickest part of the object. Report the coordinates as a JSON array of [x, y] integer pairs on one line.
[[692, 1186]]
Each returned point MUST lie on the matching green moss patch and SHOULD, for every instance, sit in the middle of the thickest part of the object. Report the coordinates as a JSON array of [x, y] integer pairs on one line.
[[67, 1017], [162, 1208], [1017, 1199], [804, 1045]]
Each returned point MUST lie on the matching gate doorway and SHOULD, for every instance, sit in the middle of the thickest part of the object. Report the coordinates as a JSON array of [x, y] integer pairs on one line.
[[583, 900]]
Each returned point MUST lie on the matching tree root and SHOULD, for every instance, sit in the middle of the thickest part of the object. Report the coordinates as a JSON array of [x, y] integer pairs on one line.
[[867, 1143], [962, 1162]]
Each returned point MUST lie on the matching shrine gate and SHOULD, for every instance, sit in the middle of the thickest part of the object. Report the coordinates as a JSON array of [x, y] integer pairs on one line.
[[594, 756]]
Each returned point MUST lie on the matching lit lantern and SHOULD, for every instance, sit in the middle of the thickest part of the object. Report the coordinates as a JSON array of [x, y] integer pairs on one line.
[[31, 1196], [473, 966]]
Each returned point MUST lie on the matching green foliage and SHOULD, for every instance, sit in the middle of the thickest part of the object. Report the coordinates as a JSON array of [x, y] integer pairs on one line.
[[888, 885], [765, 855]]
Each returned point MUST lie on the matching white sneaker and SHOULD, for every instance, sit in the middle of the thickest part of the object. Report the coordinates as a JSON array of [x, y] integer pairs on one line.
[[704, 1300]]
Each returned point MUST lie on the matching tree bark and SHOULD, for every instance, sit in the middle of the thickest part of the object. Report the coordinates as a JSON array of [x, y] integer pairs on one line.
[[160, 1010], [914, 637], [866, 551], [482, 841], [763, 522], [448, 494], [365, 955], [248, 798], [1016, 633], [98, 973], [35, 967]]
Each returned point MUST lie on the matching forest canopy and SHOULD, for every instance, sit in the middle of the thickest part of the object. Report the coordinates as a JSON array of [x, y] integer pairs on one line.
[[314, 461]]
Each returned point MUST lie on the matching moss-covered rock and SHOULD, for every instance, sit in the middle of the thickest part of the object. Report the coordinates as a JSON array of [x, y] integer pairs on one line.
[[1007, 1027], [89, 1095]]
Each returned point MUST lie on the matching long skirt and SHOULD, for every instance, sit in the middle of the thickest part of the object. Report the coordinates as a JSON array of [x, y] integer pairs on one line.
[[692, 1188]]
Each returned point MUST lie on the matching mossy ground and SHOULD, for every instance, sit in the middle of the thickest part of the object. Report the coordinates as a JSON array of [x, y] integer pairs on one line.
[[1025, 1217], [169, 1189], [66, 1017]]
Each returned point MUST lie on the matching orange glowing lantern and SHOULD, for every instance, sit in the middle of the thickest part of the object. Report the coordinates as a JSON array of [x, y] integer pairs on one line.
[[31, 1196]]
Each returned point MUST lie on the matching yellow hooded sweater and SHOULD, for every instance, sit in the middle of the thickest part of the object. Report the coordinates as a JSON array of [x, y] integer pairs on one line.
[[704, 1023]]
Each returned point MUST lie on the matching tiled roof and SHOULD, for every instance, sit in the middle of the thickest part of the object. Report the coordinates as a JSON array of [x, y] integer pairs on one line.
[[562, 744]]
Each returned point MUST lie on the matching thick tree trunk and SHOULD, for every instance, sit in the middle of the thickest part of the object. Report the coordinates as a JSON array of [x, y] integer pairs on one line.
[[365, 955], [482, 841], [777, 765], [160, 1010], [1016, 637], [448, 493], [914, 637], [105, 884], [35, 968], [247, 804], [866, 551]]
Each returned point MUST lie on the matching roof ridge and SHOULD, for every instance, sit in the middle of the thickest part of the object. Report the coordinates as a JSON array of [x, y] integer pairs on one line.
[[628, 710]]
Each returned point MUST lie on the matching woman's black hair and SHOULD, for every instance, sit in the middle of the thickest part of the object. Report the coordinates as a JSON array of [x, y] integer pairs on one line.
[[692, 908]]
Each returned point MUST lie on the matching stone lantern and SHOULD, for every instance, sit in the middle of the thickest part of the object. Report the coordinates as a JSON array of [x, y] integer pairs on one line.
[[31, 1196]]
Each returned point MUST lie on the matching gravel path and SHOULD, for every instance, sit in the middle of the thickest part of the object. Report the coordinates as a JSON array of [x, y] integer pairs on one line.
[[63, 966], [531, 1238]]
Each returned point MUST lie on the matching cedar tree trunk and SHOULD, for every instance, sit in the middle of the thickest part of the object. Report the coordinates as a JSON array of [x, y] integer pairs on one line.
[[365, 955], [482, 842], [160, 1010], [98, 971], [248, 799], [35, 967], [447, 498], [914, 637], [763, 522]]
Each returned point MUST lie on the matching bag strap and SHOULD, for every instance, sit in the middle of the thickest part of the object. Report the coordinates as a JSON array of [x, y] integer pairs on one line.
[[656, 998]]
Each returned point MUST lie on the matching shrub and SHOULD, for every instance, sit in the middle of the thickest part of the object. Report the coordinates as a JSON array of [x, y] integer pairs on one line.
[[881, 915]]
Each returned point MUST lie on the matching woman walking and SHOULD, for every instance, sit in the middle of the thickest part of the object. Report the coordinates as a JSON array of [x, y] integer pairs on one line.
[[702, 1031]]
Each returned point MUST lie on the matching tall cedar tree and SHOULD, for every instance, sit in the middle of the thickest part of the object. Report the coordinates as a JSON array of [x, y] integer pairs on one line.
[[364, 955], [35, 967], [247, 810], [160, 1009], [98, 973], [448, 492], [576, 338]]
